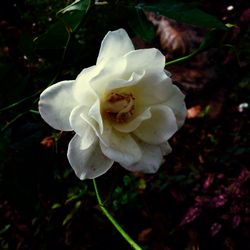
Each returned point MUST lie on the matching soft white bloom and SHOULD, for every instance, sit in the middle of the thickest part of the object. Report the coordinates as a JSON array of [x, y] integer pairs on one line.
[[123, 109]]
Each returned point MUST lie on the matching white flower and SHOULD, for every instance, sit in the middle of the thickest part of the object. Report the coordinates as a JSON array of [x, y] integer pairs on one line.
[[123, 109]]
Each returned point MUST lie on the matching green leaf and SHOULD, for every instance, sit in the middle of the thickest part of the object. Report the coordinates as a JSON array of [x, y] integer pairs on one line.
[[212, 40], [80, 5], [6, 228], [126, 180], [141, 26], [73, 14], [70, 216], [142, 184], [182, 12], [58, 34], [67, 219], [56, 205], [54, 38]]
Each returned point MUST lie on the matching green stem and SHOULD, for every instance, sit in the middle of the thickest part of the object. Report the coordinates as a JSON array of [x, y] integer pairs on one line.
[[184, 58], [34, 111], [13, 120], [113, 221], [17, 117], [19, 102]]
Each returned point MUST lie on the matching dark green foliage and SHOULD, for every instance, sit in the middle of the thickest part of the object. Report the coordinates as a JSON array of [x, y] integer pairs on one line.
[[183, 12]]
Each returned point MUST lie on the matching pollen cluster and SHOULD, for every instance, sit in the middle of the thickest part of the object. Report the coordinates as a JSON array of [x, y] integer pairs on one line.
[[119, 107]]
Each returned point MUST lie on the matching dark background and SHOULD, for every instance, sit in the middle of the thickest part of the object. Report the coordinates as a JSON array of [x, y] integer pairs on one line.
[[199, 199]]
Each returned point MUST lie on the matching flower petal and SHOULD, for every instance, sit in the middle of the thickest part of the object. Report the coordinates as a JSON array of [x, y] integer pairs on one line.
[[150, 161], [82, 90], [120, 147], [135, 123], [95, 113], [159, 128], [150, 60], [120, 83], [115, 44], [175, 101], [110, 69], [81, 127], [56, 103], [165, 148], [89, 163], [91, 122], [152, 89]]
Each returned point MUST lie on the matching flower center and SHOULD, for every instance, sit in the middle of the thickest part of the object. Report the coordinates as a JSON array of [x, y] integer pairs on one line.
[[119, 107]]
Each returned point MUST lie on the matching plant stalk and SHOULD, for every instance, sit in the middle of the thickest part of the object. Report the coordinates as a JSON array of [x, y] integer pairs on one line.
[[133, 244]]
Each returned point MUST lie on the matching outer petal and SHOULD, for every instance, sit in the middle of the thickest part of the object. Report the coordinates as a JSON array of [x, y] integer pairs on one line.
[[89, 163], [81, 127], [120, 147], [159, 128], [165, 148], [150, 60], [115, 44], [150, 161], [56, 103], [175, 101]]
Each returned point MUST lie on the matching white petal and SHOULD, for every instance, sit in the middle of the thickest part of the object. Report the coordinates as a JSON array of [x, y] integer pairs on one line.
[[111, 69], [119, 83], [152, 89], [150, 60], [82, 90], [92, 123], [81, 127], [89, 163], [56, 103], [135, 123], [175, 101], [167, 73], [95, 113], [159, 128], [150, 161], [120, 147], [115, 44], [165, 148]]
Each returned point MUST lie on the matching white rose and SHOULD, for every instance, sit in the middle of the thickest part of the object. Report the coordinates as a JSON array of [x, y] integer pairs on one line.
[[123, 109]]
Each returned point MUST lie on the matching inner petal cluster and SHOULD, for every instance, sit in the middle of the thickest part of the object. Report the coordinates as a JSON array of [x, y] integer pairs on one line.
[[119, 107]]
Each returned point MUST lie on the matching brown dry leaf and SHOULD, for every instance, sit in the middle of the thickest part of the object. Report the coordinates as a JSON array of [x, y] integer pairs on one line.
[[174, 37]]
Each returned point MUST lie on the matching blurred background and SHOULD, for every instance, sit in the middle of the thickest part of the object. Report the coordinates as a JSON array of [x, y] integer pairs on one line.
[[199, 199]]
